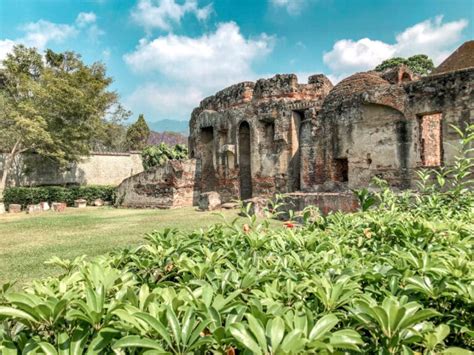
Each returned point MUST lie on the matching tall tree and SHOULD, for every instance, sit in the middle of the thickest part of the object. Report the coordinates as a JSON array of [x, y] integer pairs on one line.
[[137, 134], [420, 64], [53, 107]]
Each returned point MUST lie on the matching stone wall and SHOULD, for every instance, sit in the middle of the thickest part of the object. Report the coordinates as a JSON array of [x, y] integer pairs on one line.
[[273, 110], [97, 169], [169, 186], [375, 128]]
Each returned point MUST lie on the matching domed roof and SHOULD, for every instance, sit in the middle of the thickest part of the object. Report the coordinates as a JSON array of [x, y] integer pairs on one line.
[[355, 84]]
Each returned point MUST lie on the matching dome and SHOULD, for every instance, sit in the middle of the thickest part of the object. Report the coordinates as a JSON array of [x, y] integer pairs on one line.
[[355, 84]]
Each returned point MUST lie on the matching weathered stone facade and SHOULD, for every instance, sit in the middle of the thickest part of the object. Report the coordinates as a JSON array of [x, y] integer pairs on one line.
[[280, 136], [169, 186]]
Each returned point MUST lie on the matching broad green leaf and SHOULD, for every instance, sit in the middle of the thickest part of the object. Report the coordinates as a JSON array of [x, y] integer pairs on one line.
[[322, 326], [241, 334]]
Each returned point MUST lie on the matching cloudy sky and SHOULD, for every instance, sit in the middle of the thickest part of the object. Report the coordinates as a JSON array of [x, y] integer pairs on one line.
[[167, 55]]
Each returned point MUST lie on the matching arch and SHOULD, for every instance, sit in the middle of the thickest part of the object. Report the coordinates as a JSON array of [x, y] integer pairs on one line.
[[245, 166]]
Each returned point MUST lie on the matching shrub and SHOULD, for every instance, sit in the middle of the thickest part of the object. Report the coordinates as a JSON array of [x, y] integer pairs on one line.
[[157, 155], [33, 195]]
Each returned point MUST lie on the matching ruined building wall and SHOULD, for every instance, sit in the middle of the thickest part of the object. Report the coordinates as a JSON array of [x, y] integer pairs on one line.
[[369, 126], [267, 159], [279, 136], [169, 186]]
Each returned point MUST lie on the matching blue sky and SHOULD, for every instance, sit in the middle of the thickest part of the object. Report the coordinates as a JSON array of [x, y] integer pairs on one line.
[[167, 55]]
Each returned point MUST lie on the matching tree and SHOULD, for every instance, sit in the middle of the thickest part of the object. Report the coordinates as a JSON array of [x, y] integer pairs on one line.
[[137, 134], [420, 64], [54, 107]]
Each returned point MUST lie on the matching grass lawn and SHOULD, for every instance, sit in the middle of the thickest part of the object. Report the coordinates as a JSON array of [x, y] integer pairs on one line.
[[27, 241]]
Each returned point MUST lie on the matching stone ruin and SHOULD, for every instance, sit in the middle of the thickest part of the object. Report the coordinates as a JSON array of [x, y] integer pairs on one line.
[[315, 142]]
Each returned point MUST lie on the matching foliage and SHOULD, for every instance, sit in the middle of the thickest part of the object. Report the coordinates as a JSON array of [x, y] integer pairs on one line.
[[157, 155], [444, 192], [33, 195], [54, 107], [420, 64], [112, 138], [137, 134], [387, 280]]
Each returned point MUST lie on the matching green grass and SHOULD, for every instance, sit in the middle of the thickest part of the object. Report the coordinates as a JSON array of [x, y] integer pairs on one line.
[[27, 241]]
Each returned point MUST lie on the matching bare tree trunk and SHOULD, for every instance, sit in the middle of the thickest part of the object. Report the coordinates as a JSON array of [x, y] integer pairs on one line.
[[8, 164]]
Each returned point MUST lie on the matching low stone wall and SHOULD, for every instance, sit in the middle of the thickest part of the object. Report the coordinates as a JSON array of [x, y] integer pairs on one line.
[[325, 201], [169, 186], [96, 169]]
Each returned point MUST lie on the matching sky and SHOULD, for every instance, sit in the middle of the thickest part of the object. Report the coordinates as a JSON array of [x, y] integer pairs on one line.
[[167, 55]]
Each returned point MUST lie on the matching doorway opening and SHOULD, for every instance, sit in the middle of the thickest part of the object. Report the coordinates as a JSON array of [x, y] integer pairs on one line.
[[341, 170], [294, 167], [207, 156], [245, 161]]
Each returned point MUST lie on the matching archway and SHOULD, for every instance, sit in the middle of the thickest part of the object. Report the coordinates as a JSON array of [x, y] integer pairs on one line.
[[245, 161]]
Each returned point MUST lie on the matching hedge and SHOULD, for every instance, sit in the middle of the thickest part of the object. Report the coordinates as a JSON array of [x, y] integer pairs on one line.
[[33, 195]]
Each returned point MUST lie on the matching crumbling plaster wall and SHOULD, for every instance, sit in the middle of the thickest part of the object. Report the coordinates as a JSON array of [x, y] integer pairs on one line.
[[169, 186], [274, 109], [375, 125], [96, 169]]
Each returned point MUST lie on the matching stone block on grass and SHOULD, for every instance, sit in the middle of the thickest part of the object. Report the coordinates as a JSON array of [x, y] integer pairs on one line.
[[14, 208], [2, 208], [34, 208], [58, 206], [209, 201], [80, 203]]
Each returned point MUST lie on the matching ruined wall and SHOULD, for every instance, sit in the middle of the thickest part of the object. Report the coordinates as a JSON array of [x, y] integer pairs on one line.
[[372, 124], [96, 169], [274, 110], [169, 186], [449, 94]]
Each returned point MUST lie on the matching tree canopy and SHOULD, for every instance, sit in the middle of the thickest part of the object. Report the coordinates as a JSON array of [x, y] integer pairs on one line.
[[53, 105], [137, 134], [420, 64]]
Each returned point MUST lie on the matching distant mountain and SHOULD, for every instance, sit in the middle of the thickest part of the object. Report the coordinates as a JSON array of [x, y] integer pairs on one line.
[[170, 138], [169, 126]]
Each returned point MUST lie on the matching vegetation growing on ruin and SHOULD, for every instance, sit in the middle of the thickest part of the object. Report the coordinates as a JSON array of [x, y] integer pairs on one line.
[[157, 155], [420, 64], [394, 279]]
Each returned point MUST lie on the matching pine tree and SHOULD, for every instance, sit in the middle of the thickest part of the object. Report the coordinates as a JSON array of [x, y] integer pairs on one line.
[[137, 134]]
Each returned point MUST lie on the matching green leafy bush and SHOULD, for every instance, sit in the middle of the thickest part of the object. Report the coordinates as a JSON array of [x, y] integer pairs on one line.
[[33, 195], [157, 155]]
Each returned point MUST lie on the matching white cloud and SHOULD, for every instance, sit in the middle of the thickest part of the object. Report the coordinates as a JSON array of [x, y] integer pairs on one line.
[[293, 7], [431, 37], [41, 33], [197, 66], [214, 59], [85, 18], [5, 47], [38, 34], [106, 54], [163, 14], [165, 101]]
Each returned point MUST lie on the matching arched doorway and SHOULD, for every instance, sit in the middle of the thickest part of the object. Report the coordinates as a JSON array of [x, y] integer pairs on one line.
[[245, 161]]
